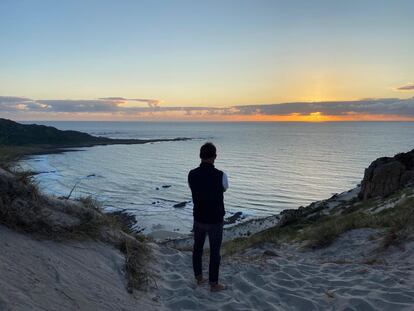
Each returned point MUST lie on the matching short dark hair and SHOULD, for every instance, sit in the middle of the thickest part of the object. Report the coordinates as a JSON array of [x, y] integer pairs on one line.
[[207, 151]]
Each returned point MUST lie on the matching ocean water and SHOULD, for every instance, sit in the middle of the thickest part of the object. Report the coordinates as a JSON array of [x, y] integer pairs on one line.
[[271, 166]]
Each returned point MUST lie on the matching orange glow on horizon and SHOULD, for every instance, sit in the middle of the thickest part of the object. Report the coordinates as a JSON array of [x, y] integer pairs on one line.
[[315, 117], [200, 117]]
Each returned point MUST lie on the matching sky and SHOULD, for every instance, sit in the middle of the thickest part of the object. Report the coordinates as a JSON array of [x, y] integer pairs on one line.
[[227, 60]]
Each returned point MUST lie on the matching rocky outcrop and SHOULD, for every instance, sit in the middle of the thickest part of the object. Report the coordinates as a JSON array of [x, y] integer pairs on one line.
[[232, 219], [289, 216], [181, 204], [387, 175]]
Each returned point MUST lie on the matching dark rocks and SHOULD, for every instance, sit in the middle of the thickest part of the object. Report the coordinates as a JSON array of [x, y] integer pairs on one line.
[[311, 212], [289, 216], [232, 219], [181, 204], [270, 253], [387, 175]]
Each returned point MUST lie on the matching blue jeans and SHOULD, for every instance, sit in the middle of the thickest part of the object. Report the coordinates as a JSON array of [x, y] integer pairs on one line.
[[215, 237]]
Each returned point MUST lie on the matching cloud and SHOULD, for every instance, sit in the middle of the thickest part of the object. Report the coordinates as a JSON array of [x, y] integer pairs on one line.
[[407, 87], [151, 102], [120, 107], [11, 103], [391, 106], [74, 105], [121, 100]]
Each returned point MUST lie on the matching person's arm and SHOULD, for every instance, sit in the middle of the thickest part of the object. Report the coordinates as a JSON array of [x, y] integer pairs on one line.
[[225, 182], [189, 180]]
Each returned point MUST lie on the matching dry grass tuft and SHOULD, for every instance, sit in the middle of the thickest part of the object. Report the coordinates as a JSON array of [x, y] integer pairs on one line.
[[137, 257]]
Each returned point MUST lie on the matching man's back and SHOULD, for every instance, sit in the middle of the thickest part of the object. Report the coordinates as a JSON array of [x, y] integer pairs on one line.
[[206, 183], [207, 186]]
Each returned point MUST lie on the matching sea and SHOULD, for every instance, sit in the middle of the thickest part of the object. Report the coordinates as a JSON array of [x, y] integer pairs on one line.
[[271, 166]]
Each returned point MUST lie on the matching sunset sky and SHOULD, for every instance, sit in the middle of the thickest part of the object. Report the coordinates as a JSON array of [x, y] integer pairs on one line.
[[207, 60]]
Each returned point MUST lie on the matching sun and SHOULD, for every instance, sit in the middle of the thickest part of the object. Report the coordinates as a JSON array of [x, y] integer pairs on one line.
[[316, 117]]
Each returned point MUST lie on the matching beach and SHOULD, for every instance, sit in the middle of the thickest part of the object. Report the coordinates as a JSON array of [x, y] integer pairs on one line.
[[87, 276], [285, 277], [350, 251], [353, 272]]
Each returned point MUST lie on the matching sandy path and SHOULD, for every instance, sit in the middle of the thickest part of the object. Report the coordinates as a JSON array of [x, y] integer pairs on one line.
[[335, 278]]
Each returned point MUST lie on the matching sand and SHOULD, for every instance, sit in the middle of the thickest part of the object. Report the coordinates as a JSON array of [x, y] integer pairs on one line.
[[48, 275], [353, 273], [342, 276]]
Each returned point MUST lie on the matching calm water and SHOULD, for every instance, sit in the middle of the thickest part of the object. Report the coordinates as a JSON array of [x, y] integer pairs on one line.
[[271, 166]]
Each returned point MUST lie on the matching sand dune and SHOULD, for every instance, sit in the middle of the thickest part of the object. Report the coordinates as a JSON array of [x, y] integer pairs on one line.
[[48, 275], [342, 276], [89, 276], [352, 273]]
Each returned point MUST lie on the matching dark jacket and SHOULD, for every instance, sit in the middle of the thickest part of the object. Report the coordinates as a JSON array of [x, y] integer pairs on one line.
[[206, 184]]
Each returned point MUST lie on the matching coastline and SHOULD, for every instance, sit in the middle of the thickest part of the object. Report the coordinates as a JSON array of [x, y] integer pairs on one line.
[[354, 250], [337, 253], [252, 226], [184, 241], [14, 153], [20, 140]]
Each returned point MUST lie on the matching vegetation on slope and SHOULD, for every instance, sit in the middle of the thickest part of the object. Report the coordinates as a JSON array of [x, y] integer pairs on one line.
[[397, 218], [24, 208]]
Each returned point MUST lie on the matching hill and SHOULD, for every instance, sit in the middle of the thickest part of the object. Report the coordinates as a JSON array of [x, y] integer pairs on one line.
[[17, 134]]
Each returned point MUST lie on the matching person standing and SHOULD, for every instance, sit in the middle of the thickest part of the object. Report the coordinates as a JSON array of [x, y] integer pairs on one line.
[[208, 185]]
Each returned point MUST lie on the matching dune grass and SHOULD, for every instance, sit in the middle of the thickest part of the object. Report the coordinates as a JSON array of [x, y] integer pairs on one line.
[[25, 209], [318, 233], [398, 221], [10, 154], [401, 224], [274, 235], [134, 246]]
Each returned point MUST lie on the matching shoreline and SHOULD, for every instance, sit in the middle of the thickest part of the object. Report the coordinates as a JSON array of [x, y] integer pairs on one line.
[[21, 140], [252, 226], [337, 253], [14, 153], [176, 239]]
